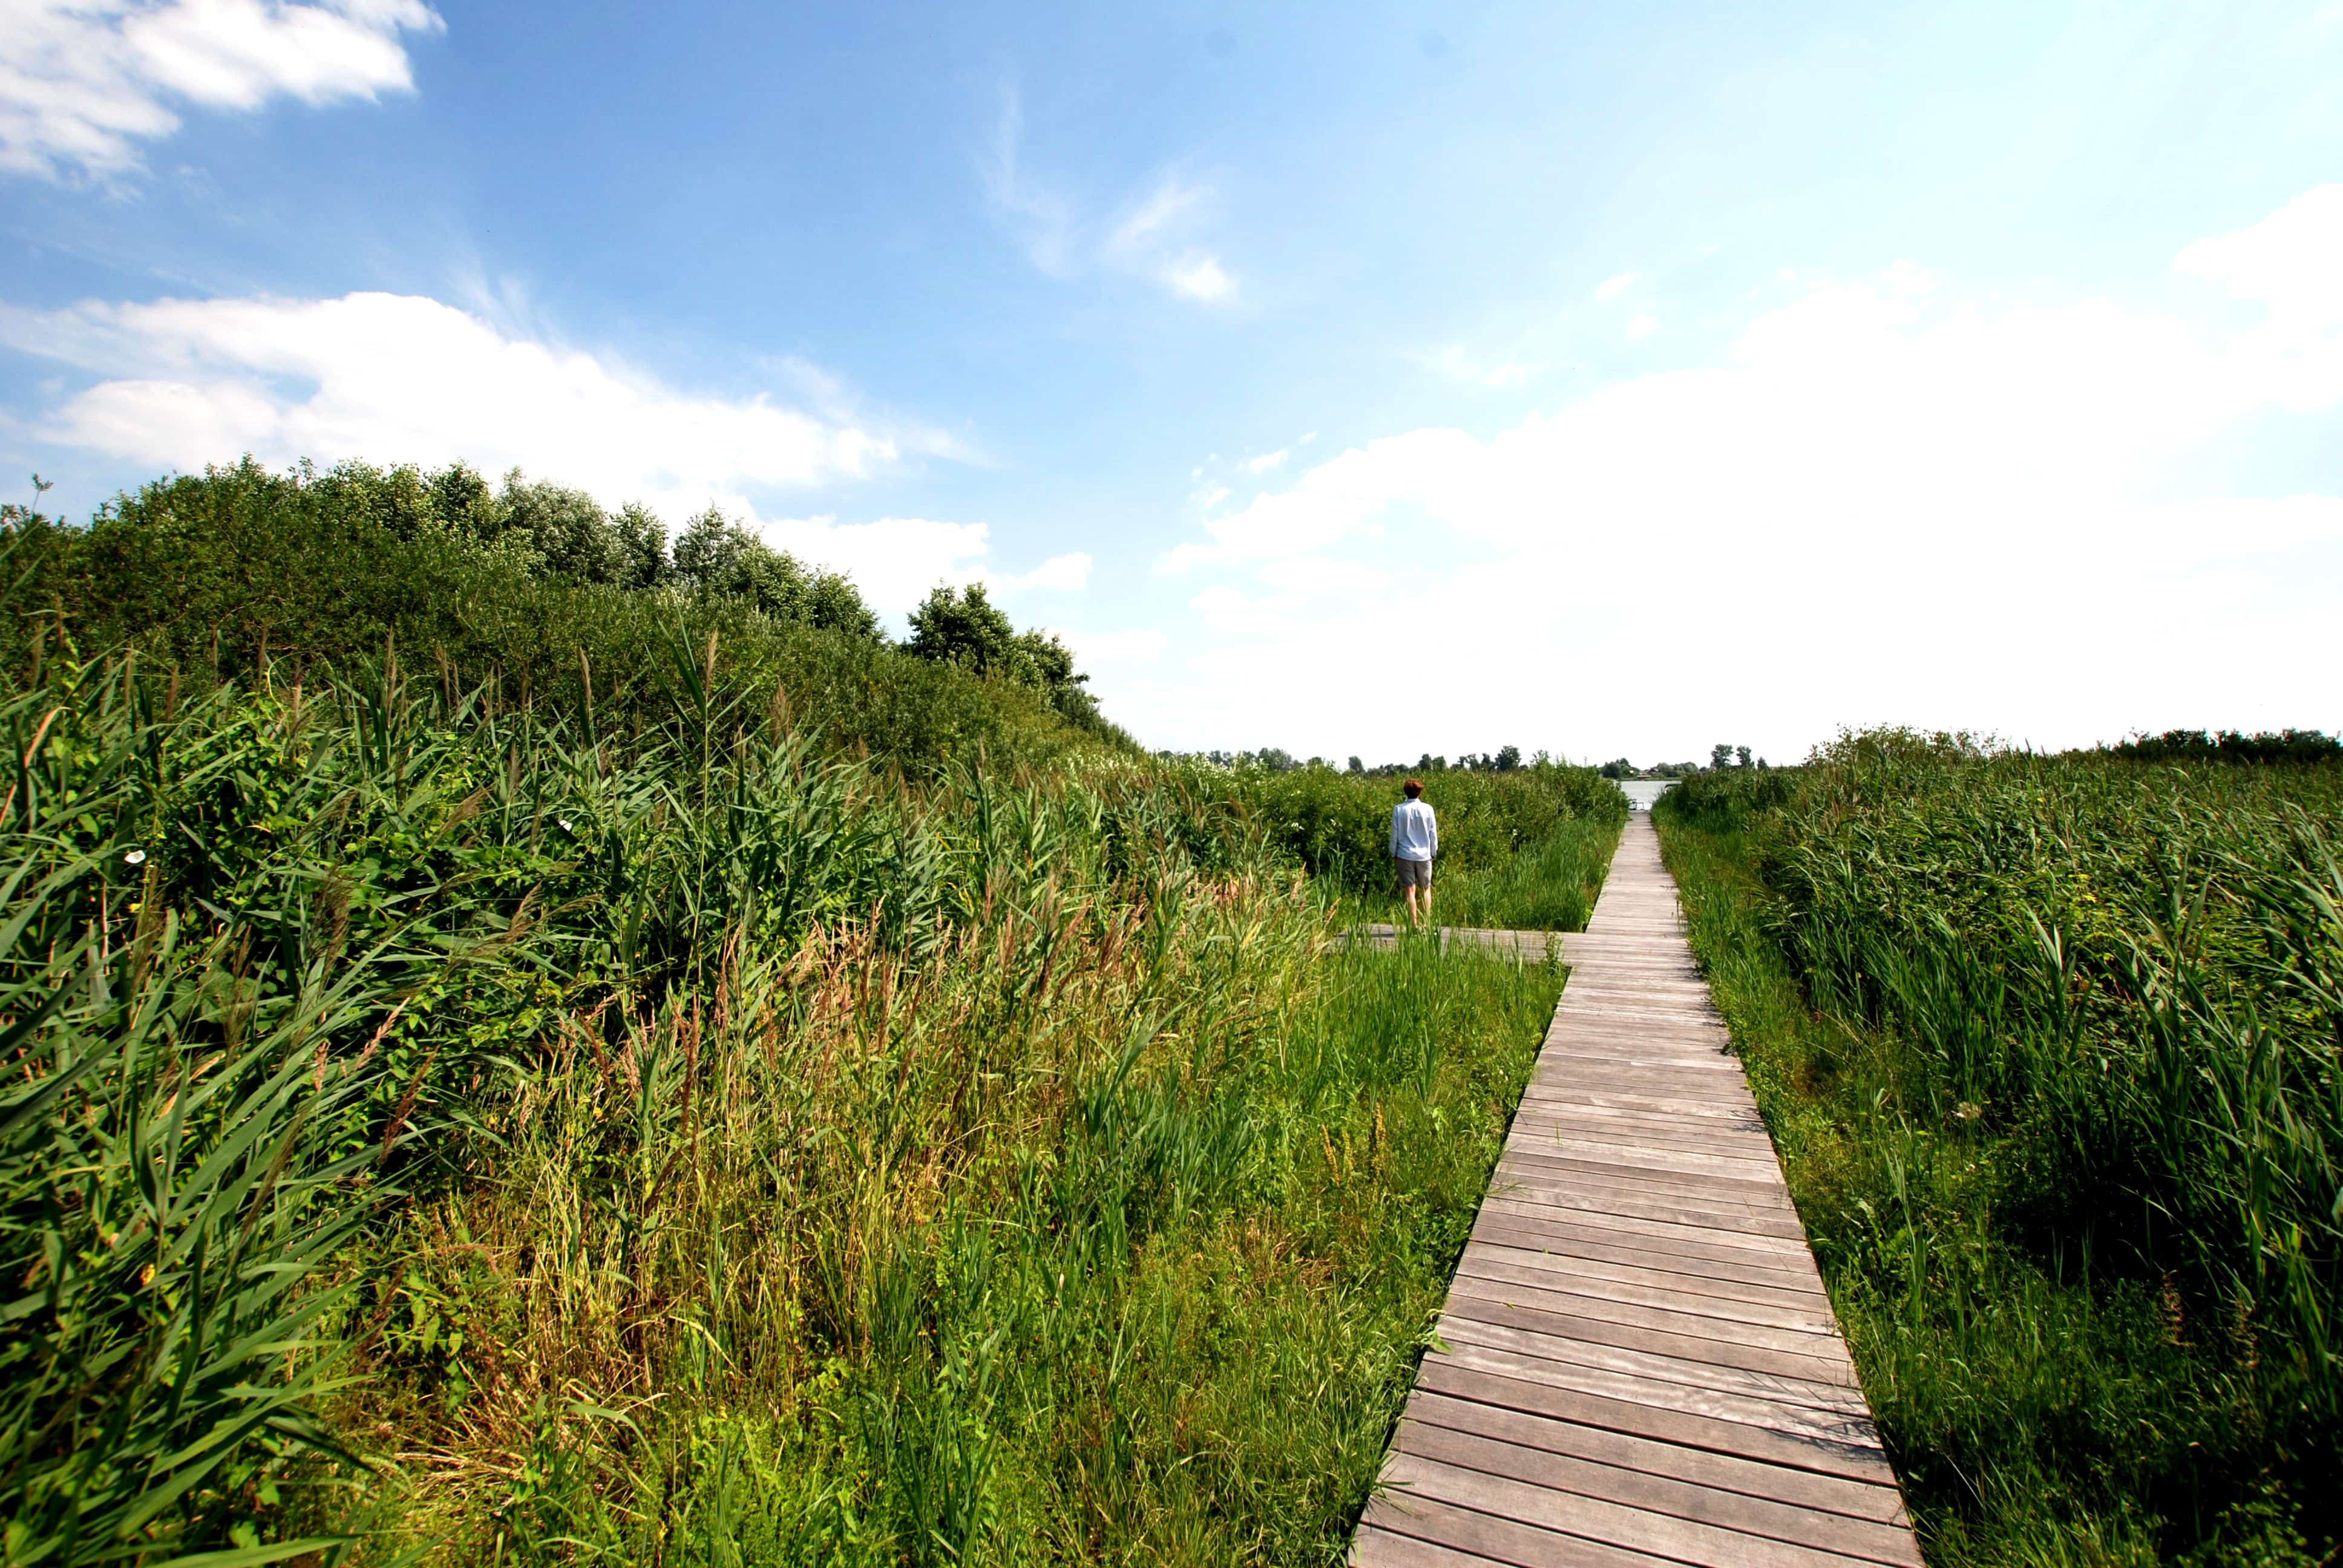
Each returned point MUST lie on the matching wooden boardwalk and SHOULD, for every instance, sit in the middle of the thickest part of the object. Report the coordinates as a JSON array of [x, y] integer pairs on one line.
[[1637, 1363]]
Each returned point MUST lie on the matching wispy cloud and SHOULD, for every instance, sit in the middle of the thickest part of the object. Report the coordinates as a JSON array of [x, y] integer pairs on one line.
[[1267, 460], [1613, 287], [1641, 325], [83, 82], [1156, 238], [1043, 223]]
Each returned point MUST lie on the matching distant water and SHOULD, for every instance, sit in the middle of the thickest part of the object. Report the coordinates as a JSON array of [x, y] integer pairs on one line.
[[1641, 792]]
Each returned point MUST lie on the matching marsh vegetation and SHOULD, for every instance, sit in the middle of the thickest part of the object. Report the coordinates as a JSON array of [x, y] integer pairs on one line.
[[2049, 1046], [506, 1066]]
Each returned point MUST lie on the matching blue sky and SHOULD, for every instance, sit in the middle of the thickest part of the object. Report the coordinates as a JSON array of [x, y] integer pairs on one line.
[[1378, 380]]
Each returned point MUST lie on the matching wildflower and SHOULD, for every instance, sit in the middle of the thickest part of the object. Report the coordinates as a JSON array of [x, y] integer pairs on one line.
[[135, 858], [564, 823], [1969, 1111]]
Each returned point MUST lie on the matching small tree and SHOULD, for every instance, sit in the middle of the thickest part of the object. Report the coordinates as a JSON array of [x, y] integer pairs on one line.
[[966, 628]]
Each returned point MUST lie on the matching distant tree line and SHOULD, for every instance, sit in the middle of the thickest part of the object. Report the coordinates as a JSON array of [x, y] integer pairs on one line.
[[2230, 746], [1721, 756], [1276, 759]]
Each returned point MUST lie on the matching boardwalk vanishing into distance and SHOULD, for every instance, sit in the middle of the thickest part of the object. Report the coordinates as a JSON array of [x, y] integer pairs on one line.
[[1637, 1362]]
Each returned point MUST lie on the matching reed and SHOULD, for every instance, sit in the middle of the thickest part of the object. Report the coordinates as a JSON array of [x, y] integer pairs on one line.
[[2050, 1047]]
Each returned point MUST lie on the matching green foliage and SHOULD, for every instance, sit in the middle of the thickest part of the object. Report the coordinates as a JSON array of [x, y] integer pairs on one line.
[[239, 571], [716, 556], [2050, 1049], [965, 629]]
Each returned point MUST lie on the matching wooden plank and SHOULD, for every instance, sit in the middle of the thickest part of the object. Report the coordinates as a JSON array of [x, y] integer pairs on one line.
[[1723, 1528], [1495, 1540], [1626, 1406], [1531, 1163], [1569, 1243], [1622, 1198], [1487, 1253], [1801, 1313], [1375, 1547], [1637, 1361], [1594, 1518], [1772, 1252], [1704, 1341], [1720, 1472], [1690, 1393], [1530, 1349], [1731, 1143]]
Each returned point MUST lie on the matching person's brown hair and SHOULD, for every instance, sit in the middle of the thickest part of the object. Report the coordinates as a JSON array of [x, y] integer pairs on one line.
[[1414, 786]]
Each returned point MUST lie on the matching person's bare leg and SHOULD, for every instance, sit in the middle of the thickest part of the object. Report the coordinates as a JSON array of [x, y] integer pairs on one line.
[[1411, 919], [1427, 903]]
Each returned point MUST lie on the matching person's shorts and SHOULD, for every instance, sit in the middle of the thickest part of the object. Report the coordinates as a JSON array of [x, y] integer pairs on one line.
[[1414, 873]]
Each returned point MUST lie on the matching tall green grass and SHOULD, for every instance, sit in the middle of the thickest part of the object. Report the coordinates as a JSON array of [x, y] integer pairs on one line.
[[437, 1122], [2050, 1047]]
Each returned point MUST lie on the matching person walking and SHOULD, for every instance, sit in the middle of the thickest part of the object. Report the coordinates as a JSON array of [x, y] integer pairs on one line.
[[1415, 840]]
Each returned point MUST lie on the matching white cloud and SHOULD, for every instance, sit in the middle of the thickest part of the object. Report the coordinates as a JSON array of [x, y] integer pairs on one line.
[[895, 561], [1639, 326], [1139, 645], [385, 376], [1321, 577], [1613, 287], [1197, 276], [1267, 460], [82, 82], [2291, 261], [398, 377], [1154, 238], [1068, 573], [1151, 242], [1889, 502]]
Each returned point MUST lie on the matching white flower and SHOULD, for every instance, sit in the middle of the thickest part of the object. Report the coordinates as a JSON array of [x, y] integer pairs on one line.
[[135, 858]]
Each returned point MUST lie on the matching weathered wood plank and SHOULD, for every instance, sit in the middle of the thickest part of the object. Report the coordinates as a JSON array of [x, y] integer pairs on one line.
[[1721, 1472], [1726, 1528], [1533, 1346]]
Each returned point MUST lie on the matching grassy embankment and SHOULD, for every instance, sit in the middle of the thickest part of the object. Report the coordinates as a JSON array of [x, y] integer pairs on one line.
[[2049, 1047], [713, 1119]]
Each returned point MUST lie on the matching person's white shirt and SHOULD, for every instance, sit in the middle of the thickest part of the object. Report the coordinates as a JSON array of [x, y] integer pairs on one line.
[[1415, 832]]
